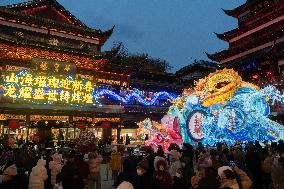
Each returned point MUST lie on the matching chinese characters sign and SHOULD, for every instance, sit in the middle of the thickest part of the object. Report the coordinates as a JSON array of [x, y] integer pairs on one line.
[[53, 67], [50, 89]]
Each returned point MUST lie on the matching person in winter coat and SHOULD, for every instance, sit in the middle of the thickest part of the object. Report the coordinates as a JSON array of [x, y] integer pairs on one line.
[[150, 156], [243, 177], [9, 180], [227, 178], [38, 175], [277, 174], [194, 181], [178, 181], [160, 155], [145, 178], [127, 174], [162, 178], [55, 167], [69, 173], [94, 178], [125, 185], [210, 180], [83, 171], [175, 163], [115, 163]]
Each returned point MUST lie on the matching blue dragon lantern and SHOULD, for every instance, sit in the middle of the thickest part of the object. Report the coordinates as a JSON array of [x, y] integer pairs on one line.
[[221, 108]]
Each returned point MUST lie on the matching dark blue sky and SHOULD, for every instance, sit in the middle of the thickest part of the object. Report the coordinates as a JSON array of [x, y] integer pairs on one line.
[[177, 31]]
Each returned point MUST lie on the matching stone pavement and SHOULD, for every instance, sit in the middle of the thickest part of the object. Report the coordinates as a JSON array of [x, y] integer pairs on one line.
[[107, 182]]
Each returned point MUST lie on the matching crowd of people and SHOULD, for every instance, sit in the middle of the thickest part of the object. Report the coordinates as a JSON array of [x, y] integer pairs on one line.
[[241, 166]]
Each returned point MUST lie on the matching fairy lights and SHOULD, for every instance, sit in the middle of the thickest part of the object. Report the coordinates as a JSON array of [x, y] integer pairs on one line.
[[42, 88], [134, 96]]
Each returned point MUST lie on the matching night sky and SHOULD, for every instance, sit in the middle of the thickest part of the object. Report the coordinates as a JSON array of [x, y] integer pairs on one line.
[[177, 31]]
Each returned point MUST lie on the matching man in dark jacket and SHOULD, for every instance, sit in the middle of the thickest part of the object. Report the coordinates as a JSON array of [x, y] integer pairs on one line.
[[150, 157], [178, 181], [145, 178], [69, 173], [127, 174], [210, 180]]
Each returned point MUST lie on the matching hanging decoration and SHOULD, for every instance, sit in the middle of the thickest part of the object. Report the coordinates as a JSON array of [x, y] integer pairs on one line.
[[222, 108], [105, 125], [14, 124], [81, 125]]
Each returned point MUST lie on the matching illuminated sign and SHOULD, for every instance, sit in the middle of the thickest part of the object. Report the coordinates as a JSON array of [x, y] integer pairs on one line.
[[44, 117], [12, 116], [112, 82], [51, 89], [53, 67]]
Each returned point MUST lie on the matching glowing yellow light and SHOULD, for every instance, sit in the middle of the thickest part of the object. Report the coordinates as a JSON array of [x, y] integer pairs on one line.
[[25, 92], [11, 78], [52, 95], [53, 82], [35, 87], [43, 66], [64, 96], [67, 68], [10, 91], [39, 94], [88, 98], [66, 83], [76, 97], [88, 86], [26, 80], [40, 81], [56, 67], [77, 85]]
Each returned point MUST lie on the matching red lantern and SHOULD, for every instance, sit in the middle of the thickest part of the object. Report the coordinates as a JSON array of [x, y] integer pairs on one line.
[[14, 124], [255, 76], [81, 125], [105, 125]]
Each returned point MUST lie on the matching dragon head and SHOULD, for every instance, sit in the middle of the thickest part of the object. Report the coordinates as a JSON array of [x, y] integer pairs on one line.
[[219, 87]]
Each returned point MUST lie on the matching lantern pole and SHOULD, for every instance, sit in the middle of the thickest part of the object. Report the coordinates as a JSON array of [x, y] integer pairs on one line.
[[74, 132]]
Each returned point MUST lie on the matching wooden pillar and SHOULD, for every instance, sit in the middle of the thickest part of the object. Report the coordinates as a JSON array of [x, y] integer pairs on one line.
[[9, 136], [28, 126], [119, 128], [74, 132]]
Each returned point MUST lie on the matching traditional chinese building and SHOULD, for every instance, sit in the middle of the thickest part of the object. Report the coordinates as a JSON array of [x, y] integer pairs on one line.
[[54, 81], [50, 63], [256, 45], [187, 75]]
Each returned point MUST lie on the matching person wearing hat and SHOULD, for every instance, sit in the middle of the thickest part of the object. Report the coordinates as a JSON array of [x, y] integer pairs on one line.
[[145, 178], [7, 179], [175, 162], [162, 177]]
